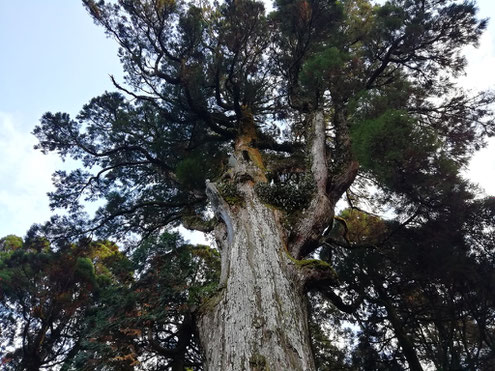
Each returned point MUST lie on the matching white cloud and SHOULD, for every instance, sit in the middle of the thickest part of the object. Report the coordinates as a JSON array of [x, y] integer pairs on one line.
[[482, 168], [481, 61], [194, 237], [25, 178], [479, 76]]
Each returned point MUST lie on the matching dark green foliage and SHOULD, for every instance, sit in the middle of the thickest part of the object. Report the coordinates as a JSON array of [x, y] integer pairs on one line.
[[392, 145], [45, 295], [230, 194], [427, 284], [10, 243], [288, 196], [193, 170], [321, 67], [147, 323], [328, 355], [86, 306], [307, 30], [373, 69]]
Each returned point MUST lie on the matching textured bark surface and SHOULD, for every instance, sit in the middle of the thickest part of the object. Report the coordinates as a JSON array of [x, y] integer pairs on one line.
[[319, 213], [258, 319]]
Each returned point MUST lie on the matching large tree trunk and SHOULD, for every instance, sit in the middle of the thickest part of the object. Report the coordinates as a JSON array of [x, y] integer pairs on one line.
[[258, 319]]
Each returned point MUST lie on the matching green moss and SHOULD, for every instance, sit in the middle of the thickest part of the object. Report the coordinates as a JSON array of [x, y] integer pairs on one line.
[[258, 362], [211, 302], [312, 264], [230, 194], [309, 262]]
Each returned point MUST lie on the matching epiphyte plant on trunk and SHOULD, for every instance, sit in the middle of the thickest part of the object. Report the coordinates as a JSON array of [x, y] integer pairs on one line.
[[268, 119]]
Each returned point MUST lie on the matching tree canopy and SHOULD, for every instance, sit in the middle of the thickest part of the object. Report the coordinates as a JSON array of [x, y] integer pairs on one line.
[[196, 72]]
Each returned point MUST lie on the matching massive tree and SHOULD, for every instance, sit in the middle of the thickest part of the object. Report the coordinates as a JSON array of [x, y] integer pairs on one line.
[[252, 126]]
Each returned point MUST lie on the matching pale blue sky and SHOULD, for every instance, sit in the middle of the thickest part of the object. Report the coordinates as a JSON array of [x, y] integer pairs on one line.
[[54, 58]]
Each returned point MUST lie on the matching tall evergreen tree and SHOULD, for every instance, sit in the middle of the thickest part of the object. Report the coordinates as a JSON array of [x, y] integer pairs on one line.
[[267, 120]]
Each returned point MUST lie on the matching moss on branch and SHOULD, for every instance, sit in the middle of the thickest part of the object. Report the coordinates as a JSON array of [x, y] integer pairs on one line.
[[258, 362], [195, 222], [230, 194], [314, 269]]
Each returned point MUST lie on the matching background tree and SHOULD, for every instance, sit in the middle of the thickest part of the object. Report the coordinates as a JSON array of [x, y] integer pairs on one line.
[[149, 324], [45, 294], [86, 306], [424, 293], [284, 113]]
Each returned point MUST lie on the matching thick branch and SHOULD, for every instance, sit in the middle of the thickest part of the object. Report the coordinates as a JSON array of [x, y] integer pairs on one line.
[[205, 115], [315, 273], [398, 325], [325, 289], [385, 62], [317, 216], [345, 168], [196, 223]]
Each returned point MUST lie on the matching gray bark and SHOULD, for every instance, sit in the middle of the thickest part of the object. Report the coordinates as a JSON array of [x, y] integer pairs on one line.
[[258, 319], [318, 215]]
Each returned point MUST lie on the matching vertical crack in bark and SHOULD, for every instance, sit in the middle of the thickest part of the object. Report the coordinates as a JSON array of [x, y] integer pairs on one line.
[[220, 208]]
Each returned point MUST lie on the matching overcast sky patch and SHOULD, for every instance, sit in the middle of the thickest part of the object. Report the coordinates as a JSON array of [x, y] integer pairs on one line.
[[25, 178]]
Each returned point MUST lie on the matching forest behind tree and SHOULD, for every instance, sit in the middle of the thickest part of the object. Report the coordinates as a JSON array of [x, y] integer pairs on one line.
[[251, 126]]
